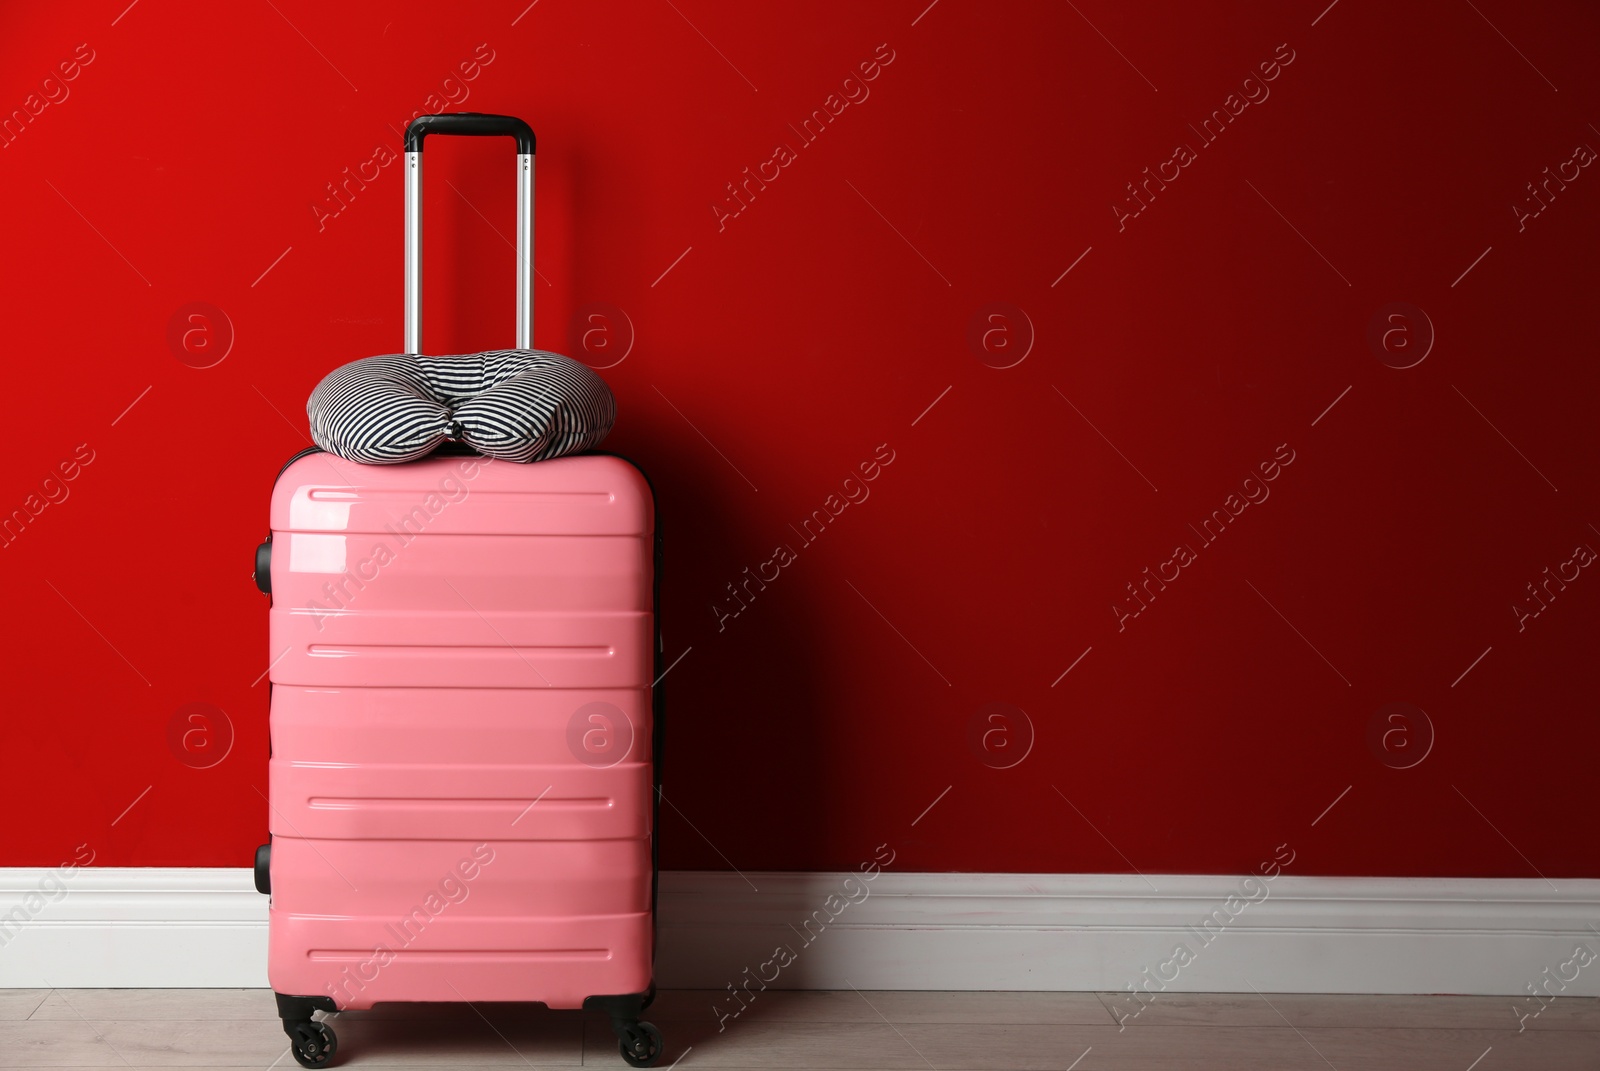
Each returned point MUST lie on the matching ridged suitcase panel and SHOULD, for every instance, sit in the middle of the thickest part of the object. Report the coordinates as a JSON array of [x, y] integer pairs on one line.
[[332, 573], [593, 495], [557, 961], [466, 648], [386, 879], [433, 801], [472, 679], [402, 725]]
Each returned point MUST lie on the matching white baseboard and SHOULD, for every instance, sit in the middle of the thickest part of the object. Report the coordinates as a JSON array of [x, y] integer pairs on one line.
[[132, 927], [201, 928]]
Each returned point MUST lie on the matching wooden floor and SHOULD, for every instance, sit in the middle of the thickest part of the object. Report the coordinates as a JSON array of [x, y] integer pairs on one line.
[[226, 1028]]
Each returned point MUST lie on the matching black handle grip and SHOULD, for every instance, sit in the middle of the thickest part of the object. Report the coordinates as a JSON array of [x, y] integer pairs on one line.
[[473, 123]]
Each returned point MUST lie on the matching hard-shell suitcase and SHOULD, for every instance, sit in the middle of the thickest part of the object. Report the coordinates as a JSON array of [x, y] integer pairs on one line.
[[463, 724]]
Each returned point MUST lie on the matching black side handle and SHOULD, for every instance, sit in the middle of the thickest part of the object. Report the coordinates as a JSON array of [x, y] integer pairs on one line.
[[472, 123]]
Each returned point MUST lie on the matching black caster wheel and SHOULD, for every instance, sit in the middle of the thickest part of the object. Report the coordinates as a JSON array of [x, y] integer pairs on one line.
[[263, 571], [263, 870], [313, 1044], [640, 1044]]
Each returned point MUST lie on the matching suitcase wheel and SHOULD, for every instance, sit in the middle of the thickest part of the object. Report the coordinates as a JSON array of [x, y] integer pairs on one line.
[[640, 1044], [313, 1044], [263, 870], [263, 571]]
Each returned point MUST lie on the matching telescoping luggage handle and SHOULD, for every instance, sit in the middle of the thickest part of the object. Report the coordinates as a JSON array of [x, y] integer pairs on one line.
[[474, 123]]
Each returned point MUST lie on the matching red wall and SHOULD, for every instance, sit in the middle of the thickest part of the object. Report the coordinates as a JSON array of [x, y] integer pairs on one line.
[[775, 350]]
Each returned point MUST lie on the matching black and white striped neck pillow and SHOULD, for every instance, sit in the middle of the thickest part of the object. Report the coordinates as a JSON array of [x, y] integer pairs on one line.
[[513, 405]]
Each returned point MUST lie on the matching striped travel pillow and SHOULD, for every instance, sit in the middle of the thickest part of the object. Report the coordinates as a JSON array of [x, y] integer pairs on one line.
[[514, 405]]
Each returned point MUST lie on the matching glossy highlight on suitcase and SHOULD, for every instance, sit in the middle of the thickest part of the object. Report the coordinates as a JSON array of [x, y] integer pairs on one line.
[[464, 733]]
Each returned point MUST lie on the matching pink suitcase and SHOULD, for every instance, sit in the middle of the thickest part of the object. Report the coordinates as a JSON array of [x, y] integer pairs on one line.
[[464, 729]]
